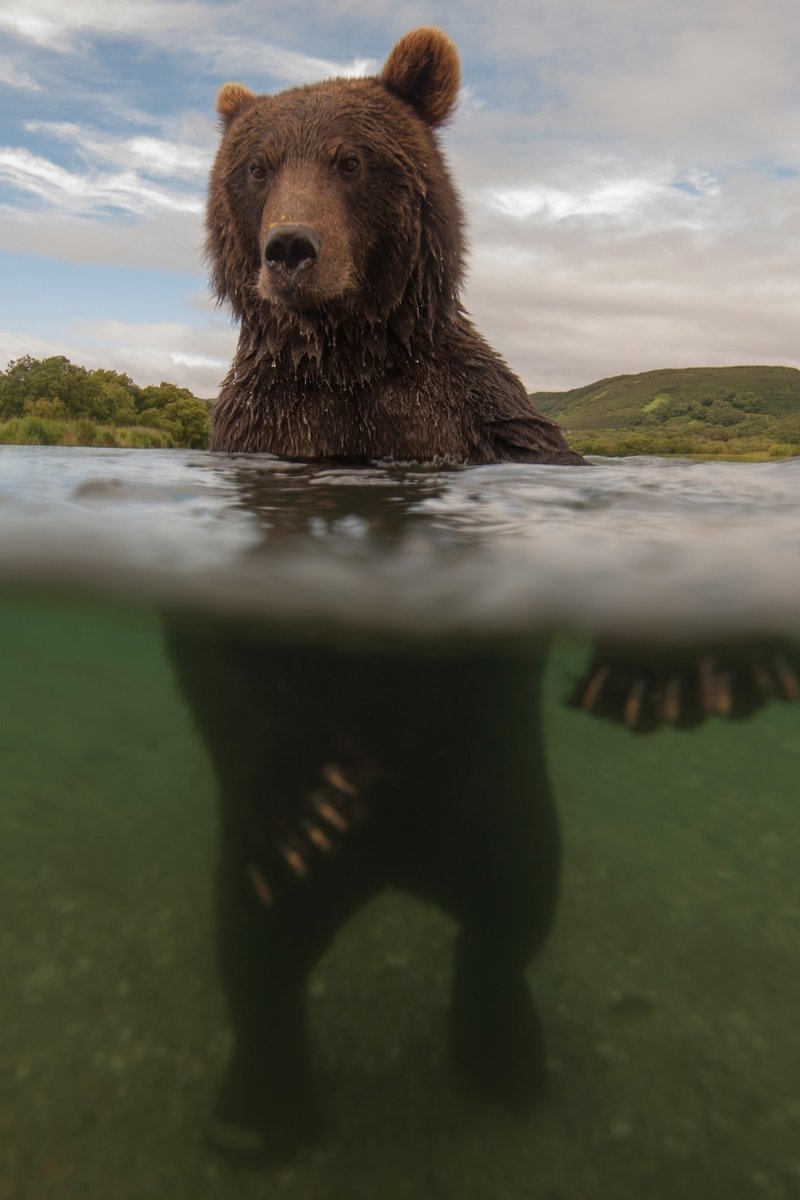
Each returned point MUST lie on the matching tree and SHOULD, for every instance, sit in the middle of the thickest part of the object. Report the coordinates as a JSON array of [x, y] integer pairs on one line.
[[14, 386], [190, 420], [55, 390], [54, 378], [177, 410], [119, 396]]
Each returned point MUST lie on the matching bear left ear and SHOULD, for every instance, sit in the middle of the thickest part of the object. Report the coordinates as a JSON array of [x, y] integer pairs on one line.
[[232, 98], [423, 69]]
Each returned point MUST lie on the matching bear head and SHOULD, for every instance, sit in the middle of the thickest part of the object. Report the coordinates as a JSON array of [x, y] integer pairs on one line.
[[331, 203]]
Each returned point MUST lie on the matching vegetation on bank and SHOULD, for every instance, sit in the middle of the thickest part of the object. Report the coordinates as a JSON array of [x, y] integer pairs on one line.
[[52, 402], [705, 412]]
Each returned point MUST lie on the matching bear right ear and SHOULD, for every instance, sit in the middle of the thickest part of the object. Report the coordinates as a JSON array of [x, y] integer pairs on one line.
[[423, 69], [232, 98]]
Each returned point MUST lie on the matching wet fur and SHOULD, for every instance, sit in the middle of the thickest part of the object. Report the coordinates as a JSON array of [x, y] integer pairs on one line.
[[377, 359], [365, 354]]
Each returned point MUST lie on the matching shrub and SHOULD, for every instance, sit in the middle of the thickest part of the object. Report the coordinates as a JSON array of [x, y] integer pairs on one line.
[[86, 431]]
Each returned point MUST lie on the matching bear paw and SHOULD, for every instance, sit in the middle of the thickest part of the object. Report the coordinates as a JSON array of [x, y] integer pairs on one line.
[[257, 1123]]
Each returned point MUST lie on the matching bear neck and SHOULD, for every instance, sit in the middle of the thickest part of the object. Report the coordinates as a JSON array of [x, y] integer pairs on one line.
[[345, 354], [348, 347]]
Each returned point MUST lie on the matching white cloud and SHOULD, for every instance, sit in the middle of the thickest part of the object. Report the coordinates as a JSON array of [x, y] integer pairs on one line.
[[148, 352], [15, 76], [163, 240], [201, 30], [53, 24], [73, 192], [30, 26], [262, 59], [572, 303], [615, 191], [618, 198], [165, 350], [150, 155]]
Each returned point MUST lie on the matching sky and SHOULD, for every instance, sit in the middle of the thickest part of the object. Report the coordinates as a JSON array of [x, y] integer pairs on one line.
[[630, 172]]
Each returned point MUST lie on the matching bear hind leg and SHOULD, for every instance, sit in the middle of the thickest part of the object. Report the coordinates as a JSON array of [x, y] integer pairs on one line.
[[266, 1106], [496, 1037], [504, 896]]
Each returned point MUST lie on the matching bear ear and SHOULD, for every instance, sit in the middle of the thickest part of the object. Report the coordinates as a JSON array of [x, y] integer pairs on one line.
[[423, 69], [232, 98]]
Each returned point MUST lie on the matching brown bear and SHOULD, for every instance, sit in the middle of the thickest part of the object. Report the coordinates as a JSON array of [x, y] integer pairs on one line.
[[335, 234]]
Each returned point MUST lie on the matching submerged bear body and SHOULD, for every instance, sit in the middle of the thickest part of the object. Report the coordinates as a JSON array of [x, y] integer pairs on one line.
[[343, 773], [335, 235]]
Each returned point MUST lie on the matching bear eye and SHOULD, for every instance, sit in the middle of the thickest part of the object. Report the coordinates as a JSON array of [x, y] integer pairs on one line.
[[349, 164], [258, 171]]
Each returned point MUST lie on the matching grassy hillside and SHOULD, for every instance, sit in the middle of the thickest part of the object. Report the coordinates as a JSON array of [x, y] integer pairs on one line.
[[713, 412]]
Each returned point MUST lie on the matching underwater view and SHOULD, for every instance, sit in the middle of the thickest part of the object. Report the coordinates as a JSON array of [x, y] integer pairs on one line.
[[557, 713]]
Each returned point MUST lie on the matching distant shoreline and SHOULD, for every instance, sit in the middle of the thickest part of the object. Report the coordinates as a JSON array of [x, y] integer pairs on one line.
[[53, 402], [734, 414], [726, 414]]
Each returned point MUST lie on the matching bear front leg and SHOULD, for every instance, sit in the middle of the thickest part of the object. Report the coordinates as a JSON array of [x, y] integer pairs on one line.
[[647, 686], [267, 944], [266, 1107]]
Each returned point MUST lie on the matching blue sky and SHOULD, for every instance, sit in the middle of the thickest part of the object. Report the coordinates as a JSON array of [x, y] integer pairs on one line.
[[630, 171]]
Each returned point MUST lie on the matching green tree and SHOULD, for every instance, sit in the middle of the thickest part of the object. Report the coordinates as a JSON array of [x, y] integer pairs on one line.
[[52, 409], [54, 378], [53, 398], [14, 386], [175, 409], [162, 394], [190, 419], [119, 396]]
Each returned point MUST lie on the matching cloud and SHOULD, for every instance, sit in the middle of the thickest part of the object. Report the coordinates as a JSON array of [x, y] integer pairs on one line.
[[611, 190], [196, 358], [201, 31], [706, 80], [592, 258], [263, 59], [164, 240], [138, 201], [12, 75], [572, 303], [621, 198], [53, 25], [723, 90], [93, 191], [149, 155]]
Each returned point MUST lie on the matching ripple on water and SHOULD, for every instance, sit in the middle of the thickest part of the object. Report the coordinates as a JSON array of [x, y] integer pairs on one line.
[[632, 545]]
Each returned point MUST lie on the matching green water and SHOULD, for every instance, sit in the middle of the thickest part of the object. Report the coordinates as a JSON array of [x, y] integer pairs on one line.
[[669, 988]]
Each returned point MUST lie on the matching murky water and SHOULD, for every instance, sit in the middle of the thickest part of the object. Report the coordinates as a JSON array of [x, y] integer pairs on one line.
[[418, 604]]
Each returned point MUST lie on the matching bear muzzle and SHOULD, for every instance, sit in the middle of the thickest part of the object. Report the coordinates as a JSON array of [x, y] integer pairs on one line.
[[305, 264], [291, 251]]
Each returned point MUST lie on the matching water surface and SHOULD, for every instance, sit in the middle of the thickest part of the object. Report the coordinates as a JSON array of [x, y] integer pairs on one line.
[[669, 988]]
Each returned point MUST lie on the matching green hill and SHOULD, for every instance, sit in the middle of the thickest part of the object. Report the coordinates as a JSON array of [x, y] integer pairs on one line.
[[711, 412]]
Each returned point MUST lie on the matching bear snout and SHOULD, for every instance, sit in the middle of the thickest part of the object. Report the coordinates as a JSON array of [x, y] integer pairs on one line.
[[290, 249]]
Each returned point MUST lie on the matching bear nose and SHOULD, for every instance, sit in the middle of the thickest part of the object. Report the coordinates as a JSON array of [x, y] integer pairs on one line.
[[291, 247]]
